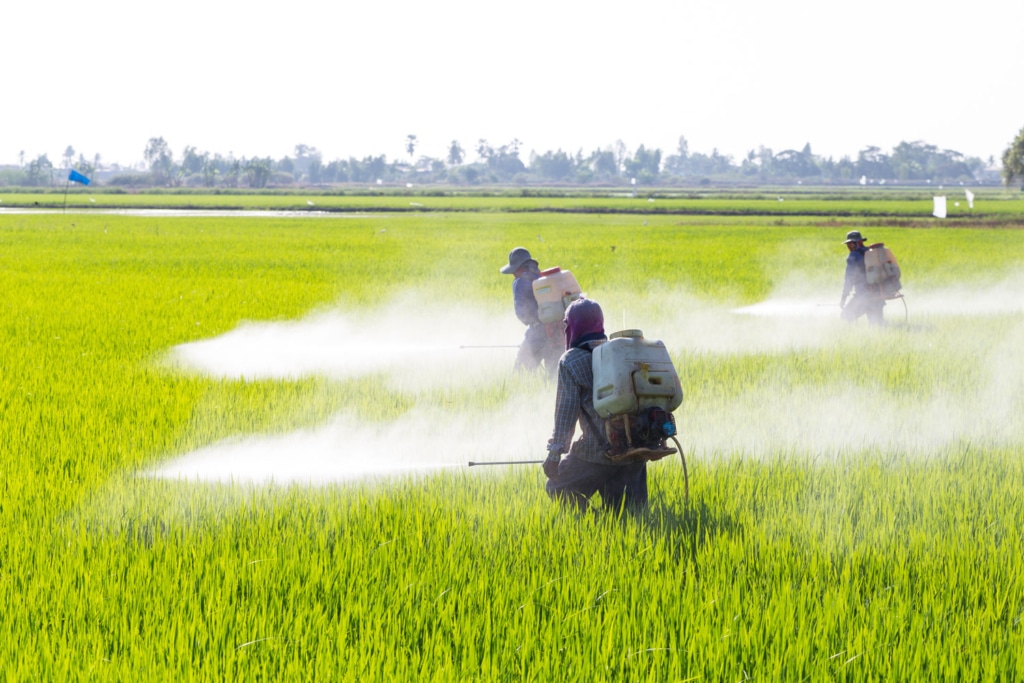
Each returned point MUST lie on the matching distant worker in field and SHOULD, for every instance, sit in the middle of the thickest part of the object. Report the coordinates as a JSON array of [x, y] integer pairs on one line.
[[542, 342], [586, 469], [865, 301]]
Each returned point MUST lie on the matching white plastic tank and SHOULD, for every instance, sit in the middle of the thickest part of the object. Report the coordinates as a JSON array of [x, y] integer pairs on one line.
[[880, 264], [554, 290], [874, 258], [632, 374]]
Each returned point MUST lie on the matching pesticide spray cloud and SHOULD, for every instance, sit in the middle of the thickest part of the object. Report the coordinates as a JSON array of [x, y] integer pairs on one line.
[[414, 344], [423, 441], [782, 415], [791, 301], [418, 348]]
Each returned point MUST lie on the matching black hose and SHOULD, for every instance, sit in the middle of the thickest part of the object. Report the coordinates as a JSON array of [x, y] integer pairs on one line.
[[686, 476]]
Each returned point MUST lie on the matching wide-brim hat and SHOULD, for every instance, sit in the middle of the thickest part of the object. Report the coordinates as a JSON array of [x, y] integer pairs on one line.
[[854, 236], [516, 258]]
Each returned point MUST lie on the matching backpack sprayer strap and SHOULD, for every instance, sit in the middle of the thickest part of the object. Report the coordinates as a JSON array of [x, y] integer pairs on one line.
[[599, 434]]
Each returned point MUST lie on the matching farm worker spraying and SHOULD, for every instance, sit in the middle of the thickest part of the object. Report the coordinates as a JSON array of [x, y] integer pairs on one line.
[[865, 301], [542, 342], [611, 454], [873, 273]]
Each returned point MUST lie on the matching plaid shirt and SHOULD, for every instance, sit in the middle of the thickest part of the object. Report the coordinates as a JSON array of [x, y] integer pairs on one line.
[[574, 403]]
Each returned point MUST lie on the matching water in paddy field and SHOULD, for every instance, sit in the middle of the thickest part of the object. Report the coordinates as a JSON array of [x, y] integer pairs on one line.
[[418, 349]]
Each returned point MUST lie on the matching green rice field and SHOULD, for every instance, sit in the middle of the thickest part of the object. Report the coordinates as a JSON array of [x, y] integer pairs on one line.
[[854, 508], [994, 204]]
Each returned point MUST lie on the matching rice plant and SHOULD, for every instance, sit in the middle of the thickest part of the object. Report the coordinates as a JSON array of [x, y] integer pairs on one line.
[[854, 509]]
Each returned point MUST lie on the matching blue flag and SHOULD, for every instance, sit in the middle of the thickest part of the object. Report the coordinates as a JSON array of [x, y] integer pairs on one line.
[[77, 177]]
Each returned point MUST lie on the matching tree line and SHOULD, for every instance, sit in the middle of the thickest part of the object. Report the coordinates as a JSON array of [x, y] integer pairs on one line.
[[504, 164]]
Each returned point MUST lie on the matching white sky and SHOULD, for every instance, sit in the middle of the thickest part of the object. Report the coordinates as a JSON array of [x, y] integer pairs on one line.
[[354, 79]]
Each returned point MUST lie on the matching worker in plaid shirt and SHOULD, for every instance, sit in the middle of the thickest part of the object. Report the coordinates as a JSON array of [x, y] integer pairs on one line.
[[586, 469]]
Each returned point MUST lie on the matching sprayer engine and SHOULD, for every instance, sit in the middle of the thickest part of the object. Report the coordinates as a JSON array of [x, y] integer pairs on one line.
[[640, 437]]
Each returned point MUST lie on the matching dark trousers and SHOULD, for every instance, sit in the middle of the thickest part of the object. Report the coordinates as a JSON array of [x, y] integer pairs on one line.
[[618, 485]]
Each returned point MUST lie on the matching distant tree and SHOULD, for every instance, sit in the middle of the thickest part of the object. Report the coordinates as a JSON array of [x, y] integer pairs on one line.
[[315, 169], [336, 171], [675, 164], [1013, 160], [749, 165], [304, 155], [39, 171], [952, 165], [369, 169], [257, 171], [553, 165], [919, 161], [645, 164], [483, 150], [621, 153], [874, 163], [505, 161], [845, 169], [192, 160], [683, 147], [713, 164], [794, 164], [455, 153], [159, 158], [467, 175], [84, 167], [21, 158], [604, 164], [286, 165], [209, 170], [232, 171], [410, 145], [69, 155]]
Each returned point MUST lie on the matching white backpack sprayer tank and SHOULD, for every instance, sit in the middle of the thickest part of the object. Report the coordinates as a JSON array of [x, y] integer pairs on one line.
[[554, 290], [882, 270], [883, 274], [636, 388]]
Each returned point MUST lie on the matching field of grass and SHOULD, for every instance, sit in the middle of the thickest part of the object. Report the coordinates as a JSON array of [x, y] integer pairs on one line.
[[854, 513], [908, 202]]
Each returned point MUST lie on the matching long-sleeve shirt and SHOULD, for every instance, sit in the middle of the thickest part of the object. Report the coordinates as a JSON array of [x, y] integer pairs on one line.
[[574, 402], [523, 298], [856, 276]]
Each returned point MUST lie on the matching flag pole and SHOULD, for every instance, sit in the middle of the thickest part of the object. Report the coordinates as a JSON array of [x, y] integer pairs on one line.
[[66, 183]]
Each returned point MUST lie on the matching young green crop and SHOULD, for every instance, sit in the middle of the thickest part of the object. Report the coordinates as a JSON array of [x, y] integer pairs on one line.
[[990, 204], [800, 555]]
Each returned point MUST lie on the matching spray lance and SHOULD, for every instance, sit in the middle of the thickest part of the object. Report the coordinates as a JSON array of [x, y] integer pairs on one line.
[[489, 346]]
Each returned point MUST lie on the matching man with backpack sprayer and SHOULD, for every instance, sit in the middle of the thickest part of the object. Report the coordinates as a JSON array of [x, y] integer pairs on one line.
[[542, 342], [865, 301], [594, 463]]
